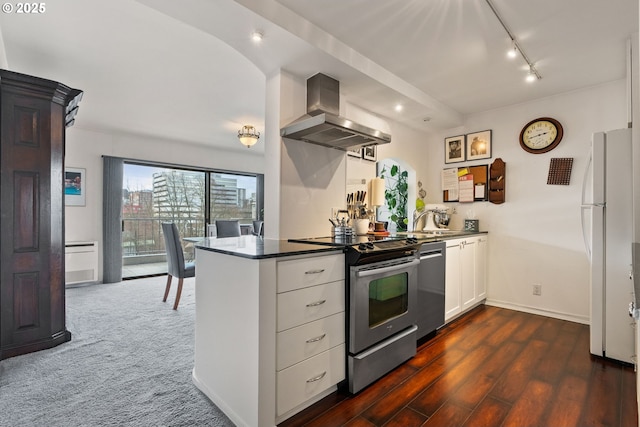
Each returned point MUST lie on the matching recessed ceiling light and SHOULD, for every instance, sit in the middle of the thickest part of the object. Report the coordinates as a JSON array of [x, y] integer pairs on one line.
[[513, 52], [398, 107], [257, 36]]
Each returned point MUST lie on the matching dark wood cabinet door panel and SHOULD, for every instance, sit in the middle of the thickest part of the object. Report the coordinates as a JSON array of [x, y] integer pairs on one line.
[[26, 216]]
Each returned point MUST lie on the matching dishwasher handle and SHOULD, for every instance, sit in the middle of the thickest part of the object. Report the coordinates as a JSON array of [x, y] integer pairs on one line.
[[431, 254]]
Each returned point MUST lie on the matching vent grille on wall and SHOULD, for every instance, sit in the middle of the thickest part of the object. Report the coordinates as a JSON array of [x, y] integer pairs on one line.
[[560, 171], [81, 262]]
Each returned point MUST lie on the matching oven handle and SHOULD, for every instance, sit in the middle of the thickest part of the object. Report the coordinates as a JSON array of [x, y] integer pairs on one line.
[[385, 343], [372, 272]]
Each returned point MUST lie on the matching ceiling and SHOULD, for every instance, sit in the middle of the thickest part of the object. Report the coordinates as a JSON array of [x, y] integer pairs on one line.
[[188, 70]]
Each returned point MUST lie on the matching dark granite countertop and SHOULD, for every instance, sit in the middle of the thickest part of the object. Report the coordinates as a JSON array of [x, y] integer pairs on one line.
[[255, 247]]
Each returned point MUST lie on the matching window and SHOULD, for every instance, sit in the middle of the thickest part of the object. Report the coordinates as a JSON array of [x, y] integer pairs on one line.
[[191, 198]]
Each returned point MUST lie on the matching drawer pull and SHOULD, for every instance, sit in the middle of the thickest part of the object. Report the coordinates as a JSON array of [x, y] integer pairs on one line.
[[318, 378], [316, 339], [314, 271], [317, 303]]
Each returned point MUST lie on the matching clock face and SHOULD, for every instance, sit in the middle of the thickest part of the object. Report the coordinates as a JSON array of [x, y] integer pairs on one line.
[[541, 135]]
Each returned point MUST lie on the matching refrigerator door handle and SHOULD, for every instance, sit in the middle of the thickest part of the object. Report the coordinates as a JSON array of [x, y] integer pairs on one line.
[[587, 170], [587, 246]]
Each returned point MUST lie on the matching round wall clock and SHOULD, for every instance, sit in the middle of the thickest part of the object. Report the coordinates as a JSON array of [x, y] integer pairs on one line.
[[541, 135]]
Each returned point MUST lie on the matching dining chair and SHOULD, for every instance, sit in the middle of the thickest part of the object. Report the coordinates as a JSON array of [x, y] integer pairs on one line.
[[258, 228], [227, 228], [176, 266]]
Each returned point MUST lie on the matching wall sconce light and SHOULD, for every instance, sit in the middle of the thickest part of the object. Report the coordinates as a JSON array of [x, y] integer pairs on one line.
[[248, 135]]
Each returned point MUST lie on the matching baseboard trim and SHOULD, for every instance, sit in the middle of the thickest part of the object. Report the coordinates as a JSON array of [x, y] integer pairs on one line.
[[532, 310]]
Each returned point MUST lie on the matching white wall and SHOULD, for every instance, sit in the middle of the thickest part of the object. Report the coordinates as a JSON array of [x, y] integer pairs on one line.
[[85, 148], [536, 236]]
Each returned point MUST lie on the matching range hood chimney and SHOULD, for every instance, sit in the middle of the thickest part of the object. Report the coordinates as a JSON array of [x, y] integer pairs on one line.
[[323, 125]]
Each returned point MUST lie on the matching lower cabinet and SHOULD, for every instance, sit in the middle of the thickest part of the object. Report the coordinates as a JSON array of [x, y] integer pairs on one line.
[[310, 337], [465, 277]]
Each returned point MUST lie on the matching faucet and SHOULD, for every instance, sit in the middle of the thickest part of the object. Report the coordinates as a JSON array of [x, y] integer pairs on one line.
[[417, 215]]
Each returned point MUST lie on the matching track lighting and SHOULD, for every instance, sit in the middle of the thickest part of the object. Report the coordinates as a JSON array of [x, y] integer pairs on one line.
[[515, 47], [533, 74], [530, 77]]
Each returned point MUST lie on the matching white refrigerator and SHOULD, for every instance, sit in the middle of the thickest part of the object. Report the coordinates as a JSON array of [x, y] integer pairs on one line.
[[607, 221]]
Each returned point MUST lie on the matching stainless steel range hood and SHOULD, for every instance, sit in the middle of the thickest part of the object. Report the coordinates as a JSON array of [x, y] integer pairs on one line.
[[323, 125]]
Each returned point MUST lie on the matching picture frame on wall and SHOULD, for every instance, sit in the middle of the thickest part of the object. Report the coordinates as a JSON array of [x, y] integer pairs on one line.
[[454, 147], [75, 186], [479, 145], [355, 152], [369, 153]]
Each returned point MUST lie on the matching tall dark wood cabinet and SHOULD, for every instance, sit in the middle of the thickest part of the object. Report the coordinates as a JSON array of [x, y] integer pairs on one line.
[[34, 114]]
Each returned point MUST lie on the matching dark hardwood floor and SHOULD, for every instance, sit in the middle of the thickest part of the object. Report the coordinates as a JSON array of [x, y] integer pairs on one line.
[[492, 367]]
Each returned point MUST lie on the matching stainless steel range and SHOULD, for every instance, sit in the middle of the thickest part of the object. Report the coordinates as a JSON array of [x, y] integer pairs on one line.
[[381, 295]]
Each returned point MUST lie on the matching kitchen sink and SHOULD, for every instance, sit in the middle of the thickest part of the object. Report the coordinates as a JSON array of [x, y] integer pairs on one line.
[[430, 233]]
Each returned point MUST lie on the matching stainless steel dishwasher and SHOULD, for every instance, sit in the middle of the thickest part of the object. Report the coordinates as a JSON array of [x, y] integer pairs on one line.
[[431, 287]]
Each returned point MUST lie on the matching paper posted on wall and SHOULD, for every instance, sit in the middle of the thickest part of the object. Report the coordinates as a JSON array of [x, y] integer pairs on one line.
[[449, 179], [465, 188]]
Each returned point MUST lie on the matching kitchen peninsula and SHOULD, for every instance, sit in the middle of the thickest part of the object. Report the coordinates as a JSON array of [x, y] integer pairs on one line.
[[240, 284]]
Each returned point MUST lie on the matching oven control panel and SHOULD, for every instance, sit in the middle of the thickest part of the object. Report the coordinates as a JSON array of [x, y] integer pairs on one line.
[[387, 244]]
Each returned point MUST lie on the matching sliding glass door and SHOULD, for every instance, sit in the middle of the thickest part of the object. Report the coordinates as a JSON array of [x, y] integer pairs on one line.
[[152, 195], [191, 198]]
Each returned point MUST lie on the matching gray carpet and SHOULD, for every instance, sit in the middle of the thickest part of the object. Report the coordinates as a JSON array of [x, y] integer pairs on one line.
[[128, 363]]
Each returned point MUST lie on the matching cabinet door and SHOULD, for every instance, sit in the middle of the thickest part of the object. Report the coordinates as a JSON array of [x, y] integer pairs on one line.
[[467, 273], [481, 268], [452, 304]]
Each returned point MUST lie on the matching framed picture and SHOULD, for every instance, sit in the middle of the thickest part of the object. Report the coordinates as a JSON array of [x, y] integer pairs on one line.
[[454, 149], [369, 153], [479, 145], [355, 152], [75, 187]]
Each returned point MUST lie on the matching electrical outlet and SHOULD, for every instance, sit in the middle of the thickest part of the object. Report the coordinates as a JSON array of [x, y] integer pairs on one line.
[[537, 289]]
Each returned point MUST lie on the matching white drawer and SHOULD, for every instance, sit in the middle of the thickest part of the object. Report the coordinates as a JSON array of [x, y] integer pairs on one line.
[[306, 305], [297, 344], [301, 382], [305, 272]]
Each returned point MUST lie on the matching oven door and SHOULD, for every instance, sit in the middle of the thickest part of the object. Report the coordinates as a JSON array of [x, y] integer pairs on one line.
[[382, 300]]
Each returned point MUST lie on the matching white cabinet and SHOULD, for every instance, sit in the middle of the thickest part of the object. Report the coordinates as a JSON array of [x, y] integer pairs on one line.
[[465, 277], [310, 351], [481, 268]]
